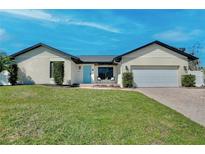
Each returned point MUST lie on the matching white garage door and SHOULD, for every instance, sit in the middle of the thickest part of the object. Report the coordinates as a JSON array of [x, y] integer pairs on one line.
[[155, 76]]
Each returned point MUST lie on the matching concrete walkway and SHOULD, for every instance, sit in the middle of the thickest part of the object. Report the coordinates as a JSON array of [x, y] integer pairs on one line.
[[188, 101]]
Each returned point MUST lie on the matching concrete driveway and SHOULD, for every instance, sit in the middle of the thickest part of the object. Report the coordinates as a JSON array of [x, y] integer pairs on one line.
[[188, 101]]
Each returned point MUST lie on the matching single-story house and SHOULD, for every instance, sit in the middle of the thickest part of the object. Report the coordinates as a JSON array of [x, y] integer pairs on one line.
[[155, 64]]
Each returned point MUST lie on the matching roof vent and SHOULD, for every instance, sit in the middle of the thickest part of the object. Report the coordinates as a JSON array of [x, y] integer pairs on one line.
[[182, 49]]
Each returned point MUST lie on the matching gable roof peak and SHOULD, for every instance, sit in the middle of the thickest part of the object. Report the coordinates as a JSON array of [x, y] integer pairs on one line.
[[43, 45], [189, 56]]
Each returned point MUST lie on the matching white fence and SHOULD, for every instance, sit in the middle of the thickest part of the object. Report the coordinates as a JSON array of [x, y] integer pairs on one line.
[[200, 78], [4, 78]]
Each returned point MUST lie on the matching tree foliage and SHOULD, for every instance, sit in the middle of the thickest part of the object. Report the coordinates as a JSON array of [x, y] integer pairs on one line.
[[127, 79], [188, 80], [194, 65], [58, 72], [13, 74], [5, 62]]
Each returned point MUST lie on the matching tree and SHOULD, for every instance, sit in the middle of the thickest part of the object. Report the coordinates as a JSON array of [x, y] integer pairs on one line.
[[127, 79], [13, 74], [195, 49], [5, 61], [58, 72], [194, 65], [188, 80]]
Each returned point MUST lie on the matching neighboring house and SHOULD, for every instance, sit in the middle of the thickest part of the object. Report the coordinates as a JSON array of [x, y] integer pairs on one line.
[[153, 65]]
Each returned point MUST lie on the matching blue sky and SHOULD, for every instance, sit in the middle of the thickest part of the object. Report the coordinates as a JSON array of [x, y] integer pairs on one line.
[[105, 32]]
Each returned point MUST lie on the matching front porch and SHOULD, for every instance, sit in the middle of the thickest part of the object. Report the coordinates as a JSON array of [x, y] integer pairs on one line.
[[100, 85], [97, 75]]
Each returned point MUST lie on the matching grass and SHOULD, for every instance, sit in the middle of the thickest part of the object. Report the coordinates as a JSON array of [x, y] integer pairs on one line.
[[53, 115]]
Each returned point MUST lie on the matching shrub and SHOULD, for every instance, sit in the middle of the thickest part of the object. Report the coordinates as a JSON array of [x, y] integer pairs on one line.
[[13, 74], [5, 62], [58, 72], [127, 80], [188, 80]]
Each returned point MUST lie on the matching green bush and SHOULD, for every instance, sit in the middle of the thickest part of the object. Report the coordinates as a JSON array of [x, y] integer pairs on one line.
[[13, 74], [127, 80], [188, 80], [5, 62], [58, 72]]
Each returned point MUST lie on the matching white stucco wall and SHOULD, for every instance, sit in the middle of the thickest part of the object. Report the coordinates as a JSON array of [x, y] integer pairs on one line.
[[34, 66], [77, 72], [153, 55]]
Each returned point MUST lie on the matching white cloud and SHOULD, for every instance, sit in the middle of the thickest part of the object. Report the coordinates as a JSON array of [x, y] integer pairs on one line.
[[94, 25], [2, 34], [32, 14], [45, 16], [178, 35]]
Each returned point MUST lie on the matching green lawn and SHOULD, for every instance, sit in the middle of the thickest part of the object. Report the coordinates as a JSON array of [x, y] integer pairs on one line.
[[53, 115]]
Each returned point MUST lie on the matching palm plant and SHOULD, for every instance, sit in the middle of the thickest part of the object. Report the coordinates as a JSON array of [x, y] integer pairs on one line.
[[5, 62]]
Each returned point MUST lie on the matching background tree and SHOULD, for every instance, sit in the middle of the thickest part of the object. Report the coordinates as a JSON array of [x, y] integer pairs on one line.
[[195, 50], [5, 61]]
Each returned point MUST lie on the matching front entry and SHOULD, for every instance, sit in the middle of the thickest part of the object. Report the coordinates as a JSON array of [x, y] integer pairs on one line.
[[87, 74]]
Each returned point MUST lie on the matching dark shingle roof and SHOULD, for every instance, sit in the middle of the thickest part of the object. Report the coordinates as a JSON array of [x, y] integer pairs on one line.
[[189, 56], [43, 45], [97, 58], [103, 59]]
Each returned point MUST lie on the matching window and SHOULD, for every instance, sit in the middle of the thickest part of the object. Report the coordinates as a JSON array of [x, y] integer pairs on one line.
[[51, 69], [105, 73]]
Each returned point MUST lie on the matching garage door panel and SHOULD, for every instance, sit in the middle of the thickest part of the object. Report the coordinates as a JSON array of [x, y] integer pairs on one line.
[[155, 77]]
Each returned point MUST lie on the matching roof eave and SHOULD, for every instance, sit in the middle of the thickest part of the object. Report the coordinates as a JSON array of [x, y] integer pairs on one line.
[[189, 56], [43, 45], [97, 62]]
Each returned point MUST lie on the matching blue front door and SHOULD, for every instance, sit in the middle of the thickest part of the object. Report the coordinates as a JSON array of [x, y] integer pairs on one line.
[[87, 74]]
